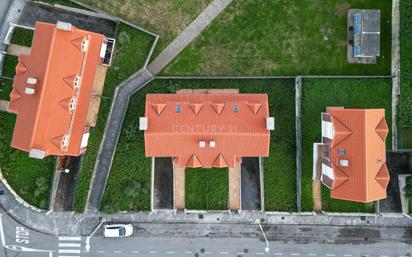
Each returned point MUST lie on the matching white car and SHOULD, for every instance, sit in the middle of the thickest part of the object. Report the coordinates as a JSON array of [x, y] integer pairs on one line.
[[118, 230]]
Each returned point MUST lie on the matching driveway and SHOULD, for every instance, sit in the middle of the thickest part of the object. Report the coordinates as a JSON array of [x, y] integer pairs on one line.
[[250, 180], [163, 183], [33, 12]]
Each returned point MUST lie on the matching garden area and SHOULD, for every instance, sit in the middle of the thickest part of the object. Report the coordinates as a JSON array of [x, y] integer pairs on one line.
[[317, 94], [131, 166], [165, 18], [305, 37]]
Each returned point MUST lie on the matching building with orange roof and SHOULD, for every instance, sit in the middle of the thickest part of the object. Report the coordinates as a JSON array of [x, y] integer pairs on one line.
[[207, 130], [351, 160], [57, 88]]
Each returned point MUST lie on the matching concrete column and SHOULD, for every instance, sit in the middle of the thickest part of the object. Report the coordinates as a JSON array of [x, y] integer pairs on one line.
[[234, 188], [179, 188]]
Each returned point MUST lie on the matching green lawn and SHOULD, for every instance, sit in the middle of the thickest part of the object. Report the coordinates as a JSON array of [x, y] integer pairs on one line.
[[9, 66], [207, 189], [350, 93], [30, 178], [22, 36], [281, 37], [132, 47], [5, 88], [165, 18], [130, 163], [405, 103]]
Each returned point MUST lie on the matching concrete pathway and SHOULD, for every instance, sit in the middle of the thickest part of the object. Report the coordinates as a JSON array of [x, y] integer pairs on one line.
[[111, 136], [188, 35], [126, 89]]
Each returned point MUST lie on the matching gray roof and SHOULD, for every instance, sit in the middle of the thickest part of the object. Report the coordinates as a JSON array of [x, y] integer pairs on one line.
[[370, 35]]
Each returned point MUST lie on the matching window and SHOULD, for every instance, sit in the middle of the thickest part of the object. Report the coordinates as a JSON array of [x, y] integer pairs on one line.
[[236, 108], [342, 151], [178, 108]]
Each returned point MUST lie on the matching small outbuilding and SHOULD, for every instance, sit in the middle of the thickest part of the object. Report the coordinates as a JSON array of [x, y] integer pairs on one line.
[[363, 35]]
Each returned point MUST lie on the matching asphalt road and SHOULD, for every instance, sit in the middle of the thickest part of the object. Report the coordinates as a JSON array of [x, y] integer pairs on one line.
[[17, 240]]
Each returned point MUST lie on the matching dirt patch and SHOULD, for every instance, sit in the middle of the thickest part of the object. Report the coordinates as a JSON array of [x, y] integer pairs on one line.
[[342, 9]]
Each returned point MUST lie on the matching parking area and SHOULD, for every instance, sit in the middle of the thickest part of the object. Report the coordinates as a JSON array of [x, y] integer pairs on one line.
[[82, 19], [163, 183], [250, 184]]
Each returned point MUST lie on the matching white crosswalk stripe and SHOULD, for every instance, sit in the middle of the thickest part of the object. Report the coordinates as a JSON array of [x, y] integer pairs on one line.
[[69, 246]]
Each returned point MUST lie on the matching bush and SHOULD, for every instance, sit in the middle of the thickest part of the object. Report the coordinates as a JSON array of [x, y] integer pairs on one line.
[[408, 187]]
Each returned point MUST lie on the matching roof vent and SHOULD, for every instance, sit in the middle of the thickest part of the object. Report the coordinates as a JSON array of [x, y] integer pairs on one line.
[[202, 144], [343, 162], [61, 25], [85, 45], [178, 108], [270, 123], [236, 108], [212, 144], [29, 91], [37, 154], [76, 81], [31, 81], [143, 123]]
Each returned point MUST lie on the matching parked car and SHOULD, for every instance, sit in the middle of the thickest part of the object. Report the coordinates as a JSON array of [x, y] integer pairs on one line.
[[118, 230]]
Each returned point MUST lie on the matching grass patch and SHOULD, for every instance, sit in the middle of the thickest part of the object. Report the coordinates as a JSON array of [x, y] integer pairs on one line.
[[282, 38], [22, 36], [207, 189], [130, 163], [165, 18], [405, 101], [6, 86], [350, 93], [30, 178], [132, 47], [9, 66]]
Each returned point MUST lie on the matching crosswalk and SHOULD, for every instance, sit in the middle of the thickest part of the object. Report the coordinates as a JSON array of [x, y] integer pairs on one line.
[[69, 246]]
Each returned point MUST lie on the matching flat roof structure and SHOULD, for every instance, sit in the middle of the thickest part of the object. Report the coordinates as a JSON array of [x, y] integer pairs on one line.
[[366, 33], [353, 164], [53, 88], [206, 130]]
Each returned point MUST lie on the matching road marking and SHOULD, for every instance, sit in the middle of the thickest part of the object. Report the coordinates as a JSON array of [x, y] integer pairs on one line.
[[69, 245], [68, 256], [153, 252], [259, 253], [330, 254], [101, 251], [208, 252], [68, 251], [135, 252], [312, 254], [223, 253], [278, 254], [188, 252], [3, 241], [241, 253], [70, 238], [384, 256], [170, 252], [295, 254], [117, 252], [347, 255]]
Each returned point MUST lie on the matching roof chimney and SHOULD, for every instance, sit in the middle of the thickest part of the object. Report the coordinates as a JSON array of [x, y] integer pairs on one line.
[[61, 25], [143, 123], [31, 81], [202, 144], [29, 91], [270, 123], [212, 144]]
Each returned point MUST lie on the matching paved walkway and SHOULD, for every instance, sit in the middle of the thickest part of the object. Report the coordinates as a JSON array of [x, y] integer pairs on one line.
[[188, 35], [111, 136], [136, 82]]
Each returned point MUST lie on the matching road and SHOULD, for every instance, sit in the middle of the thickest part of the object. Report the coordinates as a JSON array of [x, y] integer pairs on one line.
[[18, 240]]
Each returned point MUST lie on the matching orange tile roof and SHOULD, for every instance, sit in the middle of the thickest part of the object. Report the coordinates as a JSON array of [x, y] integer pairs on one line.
[[235, 122], [362, 134], [44, 118]]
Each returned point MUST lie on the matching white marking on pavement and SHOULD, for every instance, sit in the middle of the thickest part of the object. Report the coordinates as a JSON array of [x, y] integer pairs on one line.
[[223, 253], [101, 251], [295, 254], [170, 252], [69, 245], [347, 255], [312, 254], [68, 256], [70, 238], [330, 254], [188, 252], [3, 241], [135, 252], [241, 253], [278, 254], [68, 251], [152, 252], [208, 252], [117, 252], [260, 253]]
